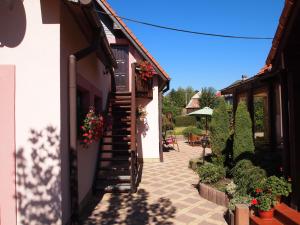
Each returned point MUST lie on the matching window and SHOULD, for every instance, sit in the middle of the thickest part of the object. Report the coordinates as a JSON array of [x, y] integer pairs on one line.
[[261, 117], [83, 102]]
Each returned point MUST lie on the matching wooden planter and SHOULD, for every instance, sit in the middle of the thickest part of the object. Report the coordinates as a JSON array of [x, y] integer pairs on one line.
[[213, 195]]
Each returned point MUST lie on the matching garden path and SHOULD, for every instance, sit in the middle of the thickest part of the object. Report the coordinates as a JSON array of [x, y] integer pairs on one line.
[[166, 195]]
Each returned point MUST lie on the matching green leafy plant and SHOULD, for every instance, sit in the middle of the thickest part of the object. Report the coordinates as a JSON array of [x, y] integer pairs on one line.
[[239, 199], [264, 202], [247, 176], [231, 189], [195, 163], [278, 186], [219, 129], [210, 173], [243, 139], [184, 121], [191, 130]]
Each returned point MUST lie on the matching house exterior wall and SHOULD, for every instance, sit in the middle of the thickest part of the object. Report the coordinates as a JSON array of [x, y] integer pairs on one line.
[[38, 37], [92, 78], [26, 31], [7, 147]]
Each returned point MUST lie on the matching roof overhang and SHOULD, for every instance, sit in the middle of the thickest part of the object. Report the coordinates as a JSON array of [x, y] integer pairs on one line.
[[133, 40]]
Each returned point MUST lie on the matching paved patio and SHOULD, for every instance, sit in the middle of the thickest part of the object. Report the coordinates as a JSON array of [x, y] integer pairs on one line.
[[166, 196]]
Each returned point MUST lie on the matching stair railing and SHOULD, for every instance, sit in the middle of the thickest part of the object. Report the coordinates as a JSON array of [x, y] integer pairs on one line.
[[133, 158], [106, 124]]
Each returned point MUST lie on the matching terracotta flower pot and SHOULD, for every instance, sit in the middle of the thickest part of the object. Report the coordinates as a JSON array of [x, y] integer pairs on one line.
[[266, 215]]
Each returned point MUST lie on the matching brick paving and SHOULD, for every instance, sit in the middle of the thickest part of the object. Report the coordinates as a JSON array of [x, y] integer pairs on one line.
[[166, 195]]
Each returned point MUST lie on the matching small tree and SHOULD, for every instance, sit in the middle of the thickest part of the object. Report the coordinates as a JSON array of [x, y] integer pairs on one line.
[[243, 139], [220, 131]]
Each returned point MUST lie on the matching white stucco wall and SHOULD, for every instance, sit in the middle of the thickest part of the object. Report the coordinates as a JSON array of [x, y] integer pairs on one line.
[[25, 33], [148, 131]]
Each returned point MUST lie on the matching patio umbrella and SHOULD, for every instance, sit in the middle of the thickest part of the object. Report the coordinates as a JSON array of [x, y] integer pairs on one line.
[[206, 111]]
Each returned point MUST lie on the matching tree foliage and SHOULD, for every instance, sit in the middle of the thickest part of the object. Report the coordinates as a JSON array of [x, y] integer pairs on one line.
[[243, 140], [176, 100], [208, 97], [220, 131]]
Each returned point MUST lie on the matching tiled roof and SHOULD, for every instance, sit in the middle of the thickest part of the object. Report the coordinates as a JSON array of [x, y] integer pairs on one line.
[[134, 38], [283, 21]]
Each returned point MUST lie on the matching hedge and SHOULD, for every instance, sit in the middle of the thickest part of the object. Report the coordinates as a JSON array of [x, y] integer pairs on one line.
[[185, 121]]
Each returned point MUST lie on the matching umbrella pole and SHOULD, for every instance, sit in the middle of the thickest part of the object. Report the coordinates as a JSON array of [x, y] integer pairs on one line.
[[206, 124]]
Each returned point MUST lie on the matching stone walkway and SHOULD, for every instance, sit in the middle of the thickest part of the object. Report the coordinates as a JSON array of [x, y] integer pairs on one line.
[[166, 195]]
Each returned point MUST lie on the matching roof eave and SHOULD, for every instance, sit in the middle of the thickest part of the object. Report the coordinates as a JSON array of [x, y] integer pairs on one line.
[[111, 14]]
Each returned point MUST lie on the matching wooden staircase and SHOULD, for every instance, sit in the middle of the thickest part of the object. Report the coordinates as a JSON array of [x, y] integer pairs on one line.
[[283, 215], [117, 164]]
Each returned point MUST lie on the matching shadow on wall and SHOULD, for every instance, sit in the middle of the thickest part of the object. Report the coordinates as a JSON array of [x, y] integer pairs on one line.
[[133, 209], [38, 178], [12, 23], [142, 128]]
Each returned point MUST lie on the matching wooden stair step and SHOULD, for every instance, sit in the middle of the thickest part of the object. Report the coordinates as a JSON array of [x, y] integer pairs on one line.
[[121, 93], [255, 220], [120, 107], [116, 159], [116, 135], [117, 188], [116, 151], [114, 178], [287, 215], [117, 102], [117, 143], [119, 112]]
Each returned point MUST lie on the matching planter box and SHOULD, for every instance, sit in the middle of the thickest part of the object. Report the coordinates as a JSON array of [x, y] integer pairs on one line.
[[213, 195]]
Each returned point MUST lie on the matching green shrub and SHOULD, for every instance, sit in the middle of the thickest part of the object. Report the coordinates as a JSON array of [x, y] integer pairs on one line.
[[192, 130], [210, 173], [247, 176], [239, 199], [185, 121], [278, 186], [195, 163], [243, 139], [219, 130]]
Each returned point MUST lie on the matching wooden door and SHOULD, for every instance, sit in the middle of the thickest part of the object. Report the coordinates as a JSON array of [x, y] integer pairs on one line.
[[121, 76]]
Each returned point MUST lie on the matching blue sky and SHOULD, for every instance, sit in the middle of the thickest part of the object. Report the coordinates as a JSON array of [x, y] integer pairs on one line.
[[201, 61]]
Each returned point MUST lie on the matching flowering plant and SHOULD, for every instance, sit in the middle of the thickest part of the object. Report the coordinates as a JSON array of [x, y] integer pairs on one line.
[[92, 127], [264, 202], [278, 186], [141, 112], [145, 69]]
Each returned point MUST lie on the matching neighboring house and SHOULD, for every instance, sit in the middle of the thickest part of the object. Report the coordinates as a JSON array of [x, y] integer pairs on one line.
[[194, 103], [274, 92], [57, 59]]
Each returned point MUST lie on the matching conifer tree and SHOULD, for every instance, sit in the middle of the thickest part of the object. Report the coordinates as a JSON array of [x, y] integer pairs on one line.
[[243, 139], [220, 131]]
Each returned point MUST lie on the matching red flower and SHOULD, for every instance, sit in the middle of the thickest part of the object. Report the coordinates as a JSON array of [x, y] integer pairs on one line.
[[254, 201], [258, 190]]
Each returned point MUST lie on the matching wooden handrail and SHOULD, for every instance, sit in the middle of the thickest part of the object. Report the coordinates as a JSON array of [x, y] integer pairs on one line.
[[133, 114], [133, 155]]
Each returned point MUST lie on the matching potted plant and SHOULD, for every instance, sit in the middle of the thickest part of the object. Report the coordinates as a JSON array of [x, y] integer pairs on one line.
[[278, 186], [92, 128], [141, 113], [265, 204], [145, 70]]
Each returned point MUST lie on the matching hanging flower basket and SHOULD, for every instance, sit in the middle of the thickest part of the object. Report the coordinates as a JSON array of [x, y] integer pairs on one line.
[[141, 113], [145, 70], [92, 128]]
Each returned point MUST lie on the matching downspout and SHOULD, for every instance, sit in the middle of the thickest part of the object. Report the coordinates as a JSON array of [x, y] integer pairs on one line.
[[73, 59], [167, 87]]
